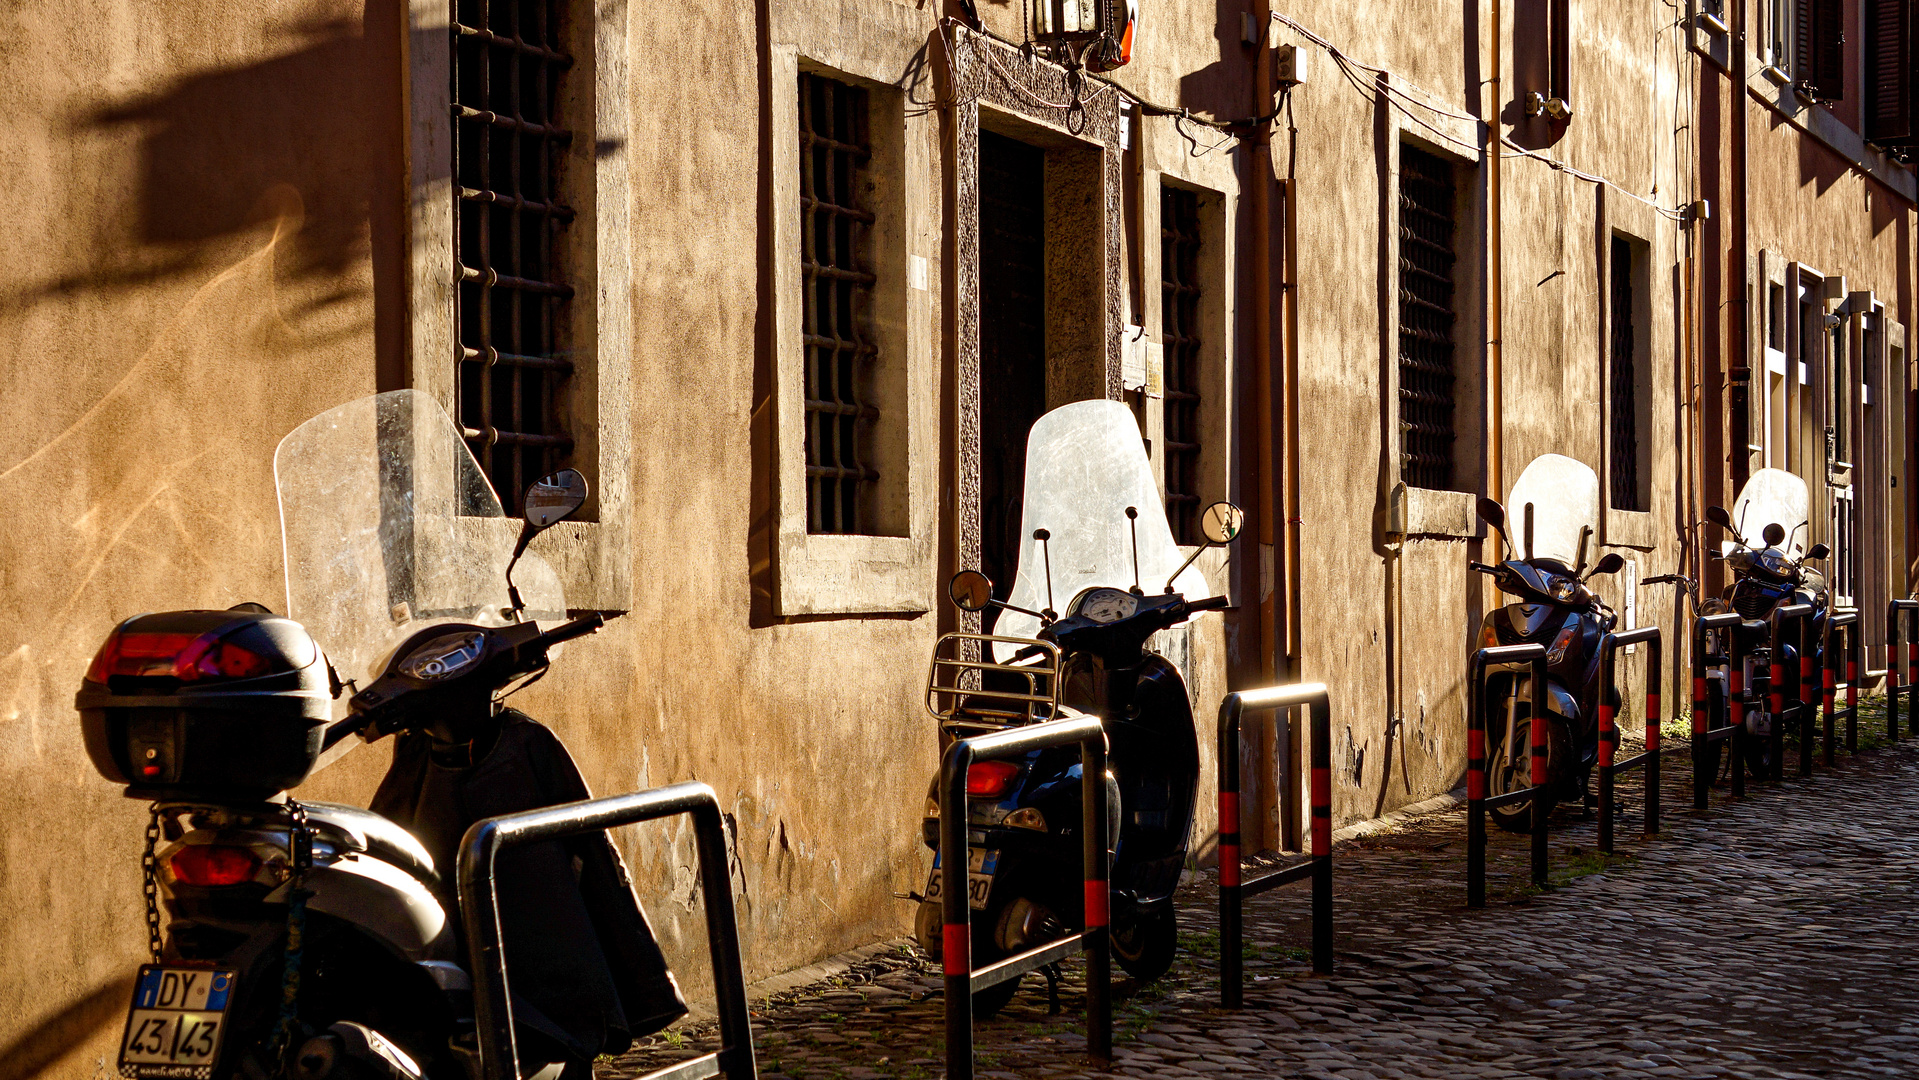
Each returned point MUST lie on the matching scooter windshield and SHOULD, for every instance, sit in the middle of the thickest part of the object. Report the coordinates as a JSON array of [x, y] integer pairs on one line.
[[1772, 496], [388, 527], [1562, 495], [1085, 464]]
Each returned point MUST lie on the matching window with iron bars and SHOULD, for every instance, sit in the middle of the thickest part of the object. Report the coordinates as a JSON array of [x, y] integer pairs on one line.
[[511, 304], [1624, 376], [834, 271], [1179, 335], [1427, 193]]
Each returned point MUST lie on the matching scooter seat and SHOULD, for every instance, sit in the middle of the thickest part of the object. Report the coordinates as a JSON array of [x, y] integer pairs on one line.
[[366, 831]]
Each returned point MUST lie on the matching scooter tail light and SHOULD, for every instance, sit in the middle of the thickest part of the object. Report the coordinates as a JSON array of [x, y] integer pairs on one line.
[[990, 777], [186, 657], [207, 865]]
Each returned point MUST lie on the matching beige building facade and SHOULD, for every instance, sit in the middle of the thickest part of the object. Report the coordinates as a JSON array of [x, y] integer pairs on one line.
[[788, 281]]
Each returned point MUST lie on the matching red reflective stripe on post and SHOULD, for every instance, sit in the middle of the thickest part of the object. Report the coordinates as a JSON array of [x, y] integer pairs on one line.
[[1229, 866], [1229, 812], [1322, 811], [1699, 705], [1652, 723], [956, 949], [1606, 736], [1539, 751], [1778, 694], [1095, 904], [1475, 763]]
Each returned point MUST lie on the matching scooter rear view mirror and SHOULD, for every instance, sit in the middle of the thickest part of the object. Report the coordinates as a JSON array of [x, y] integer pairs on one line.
[[1609, 563], [1718, 516], [970, 590], [1491, 513], [1819, 551], [1221, 522], [552, 499], [1774, 534]]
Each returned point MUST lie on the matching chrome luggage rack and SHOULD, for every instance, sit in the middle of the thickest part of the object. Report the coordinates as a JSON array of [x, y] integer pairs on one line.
[[957, 693]]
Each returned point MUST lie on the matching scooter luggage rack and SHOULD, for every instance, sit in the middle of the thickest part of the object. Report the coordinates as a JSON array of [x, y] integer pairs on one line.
[[1733, 730], [1232, 890], [957, 690], [1801, 708], [1533, 657], [1609, 733], [479, 910], [956, 935], [1896, 687], [1849, 619]]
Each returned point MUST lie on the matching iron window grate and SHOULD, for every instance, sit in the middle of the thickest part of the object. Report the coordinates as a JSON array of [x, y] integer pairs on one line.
[[1426, 350], [510, 304], [834, 151], [1625, 384], [1179, 336]]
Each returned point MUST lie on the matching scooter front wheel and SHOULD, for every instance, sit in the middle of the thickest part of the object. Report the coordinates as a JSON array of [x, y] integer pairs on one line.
[[1505, 774], [1146, 945]]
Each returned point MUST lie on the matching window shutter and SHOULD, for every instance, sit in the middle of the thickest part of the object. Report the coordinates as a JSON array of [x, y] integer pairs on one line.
[[1889, 72], [1819, 48]]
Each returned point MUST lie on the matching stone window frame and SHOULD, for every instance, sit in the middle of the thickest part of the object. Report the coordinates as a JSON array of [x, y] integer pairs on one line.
[[893, 571], [1010, 92], [1621, 215], [1163, 161], [590, 555], [1416, 511]]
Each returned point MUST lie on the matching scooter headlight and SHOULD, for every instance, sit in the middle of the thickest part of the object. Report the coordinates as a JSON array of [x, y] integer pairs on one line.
[[1566, 590]]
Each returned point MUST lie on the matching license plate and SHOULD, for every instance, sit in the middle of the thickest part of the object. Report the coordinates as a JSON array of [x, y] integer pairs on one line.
[[175, 1025], [980, 865]]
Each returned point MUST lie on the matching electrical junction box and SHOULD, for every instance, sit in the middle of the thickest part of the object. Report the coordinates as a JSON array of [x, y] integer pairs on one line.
[[1290, 65]]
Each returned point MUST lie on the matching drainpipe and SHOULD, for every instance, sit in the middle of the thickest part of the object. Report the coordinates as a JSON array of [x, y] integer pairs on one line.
[[1739, 390], [1268, 378], [1495, 267]]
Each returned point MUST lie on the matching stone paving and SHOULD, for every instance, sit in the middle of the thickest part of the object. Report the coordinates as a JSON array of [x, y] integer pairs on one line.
[[1771, 937]]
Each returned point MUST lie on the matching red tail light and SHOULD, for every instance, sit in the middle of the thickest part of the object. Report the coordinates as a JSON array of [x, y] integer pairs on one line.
[[990, 777], [208, 864], [186, 657]]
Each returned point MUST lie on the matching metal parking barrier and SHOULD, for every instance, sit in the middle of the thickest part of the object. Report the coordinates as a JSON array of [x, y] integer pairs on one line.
[[1777, 681], [1846, 619], [1477, 804], [957, 933], [1733, 728], [1232, 889], [1609, 733], [1896, 687], [479, 909]]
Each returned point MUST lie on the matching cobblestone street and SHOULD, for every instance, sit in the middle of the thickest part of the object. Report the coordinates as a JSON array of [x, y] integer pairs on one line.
[[1772, 937]]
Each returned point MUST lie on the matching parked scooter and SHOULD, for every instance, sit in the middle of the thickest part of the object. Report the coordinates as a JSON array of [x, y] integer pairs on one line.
[[314, 941], [1096, 529], [1558, 501], [1766, 577]]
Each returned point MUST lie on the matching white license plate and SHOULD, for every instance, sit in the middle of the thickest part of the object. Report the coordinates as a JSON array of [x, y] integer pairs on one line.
[[980, 865], [176, 1023]]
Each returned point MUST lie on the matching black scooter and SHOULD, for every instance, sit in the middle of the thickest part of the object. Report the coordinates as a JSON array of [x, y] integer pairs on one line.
[[316, 941], [1556, 609], [1023, 814], [1765, 578]]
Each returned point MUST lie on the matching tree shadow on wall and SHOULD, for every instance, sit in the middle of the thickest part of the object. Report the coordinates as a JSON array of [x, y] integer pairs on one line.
[[315, 133]]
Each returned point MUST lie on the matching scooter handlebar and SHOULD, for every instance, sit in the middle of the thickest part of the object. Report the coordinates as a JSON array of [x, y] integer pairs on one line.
[[566, 631], [1211, 603]]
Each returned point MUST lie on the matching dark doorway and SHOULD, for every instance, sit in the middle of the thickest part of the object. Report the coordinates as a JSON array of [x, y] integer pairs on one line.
[[1012, 332]]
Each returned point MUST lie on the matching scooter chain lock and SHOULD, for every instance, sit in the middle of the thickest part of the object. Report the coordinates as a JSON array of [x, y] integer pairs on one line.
[[149, 883], [300, 842]]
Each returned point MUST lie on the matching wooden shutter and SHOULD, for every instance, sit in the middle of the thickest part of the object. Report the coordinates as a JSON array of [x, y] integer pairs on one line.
[[1819, 48], [1889, 75]]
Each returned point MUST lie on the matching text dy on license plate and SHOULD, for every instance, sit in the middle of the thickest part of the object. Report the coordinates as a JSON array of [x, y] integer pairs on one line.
[[176, 1022], [980, 864]]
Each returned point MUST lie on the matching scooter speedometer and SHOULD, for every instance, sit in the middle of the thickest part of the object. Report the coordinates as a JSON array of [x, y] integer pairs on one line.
[[444, 657]]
